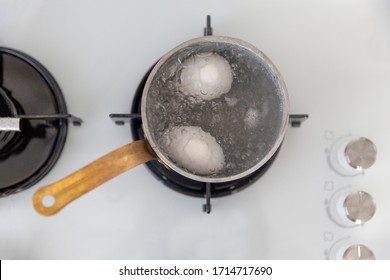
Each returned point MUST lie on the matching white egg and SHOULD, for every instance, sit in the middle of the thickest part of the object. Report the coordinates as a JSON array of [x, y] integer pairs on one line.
[[194, 149], [206, 76]]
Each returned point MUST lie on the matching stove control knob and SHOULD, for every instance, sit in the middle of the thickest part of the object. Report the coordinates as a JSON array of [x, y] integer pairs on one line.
[[359, 207], [351, 156], [351, 208], [360, 153], [358, 252], [350, 250]]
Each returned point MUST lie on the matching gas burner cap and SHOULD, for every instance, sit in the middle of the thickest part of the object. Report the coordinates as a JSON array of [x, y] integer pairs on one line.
[[29, 89]]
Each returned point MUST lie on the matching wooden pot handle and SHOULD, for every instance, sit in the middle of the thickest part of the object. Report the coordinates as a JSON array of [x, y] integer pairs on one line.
[[90, 176]]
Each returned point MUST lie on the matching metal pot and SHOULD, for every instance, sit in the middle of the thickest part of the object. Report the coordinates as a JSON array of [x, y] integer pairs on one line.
[[246, 119]]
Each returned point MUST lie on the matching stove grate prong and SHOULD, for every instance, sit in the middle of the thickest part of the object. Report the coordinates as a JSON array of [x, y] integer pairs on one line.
[[296, 120], [208, 30], [207, 206], [121, 119], [13, 124]]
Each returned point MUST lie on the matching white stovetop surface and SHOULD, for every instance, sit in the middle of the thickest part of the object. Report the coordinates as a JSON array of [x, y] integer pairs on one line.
[[335, 58]]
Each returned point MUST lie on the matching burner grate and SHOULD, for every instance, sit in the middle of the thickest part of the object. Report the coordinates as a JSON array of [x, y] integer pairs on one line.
[[178, 182]]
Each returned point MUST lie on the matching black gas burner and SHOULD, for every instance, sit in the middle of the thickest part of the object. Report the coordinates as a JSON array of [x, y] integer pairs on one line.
[[178, 182], [33, 121]]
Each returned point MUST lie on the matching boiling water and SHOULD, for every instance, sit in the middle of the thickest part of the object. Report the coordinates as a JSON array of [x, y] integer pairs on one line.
[[246, 121]]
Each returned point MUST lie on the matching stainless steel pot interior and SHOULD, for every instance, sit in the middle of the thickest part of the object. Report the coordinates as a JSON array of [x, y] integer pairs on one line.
[[248, 122]]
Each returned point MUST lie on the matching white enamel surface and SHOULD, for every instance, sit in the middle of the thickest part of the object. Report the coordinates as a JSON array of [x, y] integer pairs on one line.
[[335, 59]]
